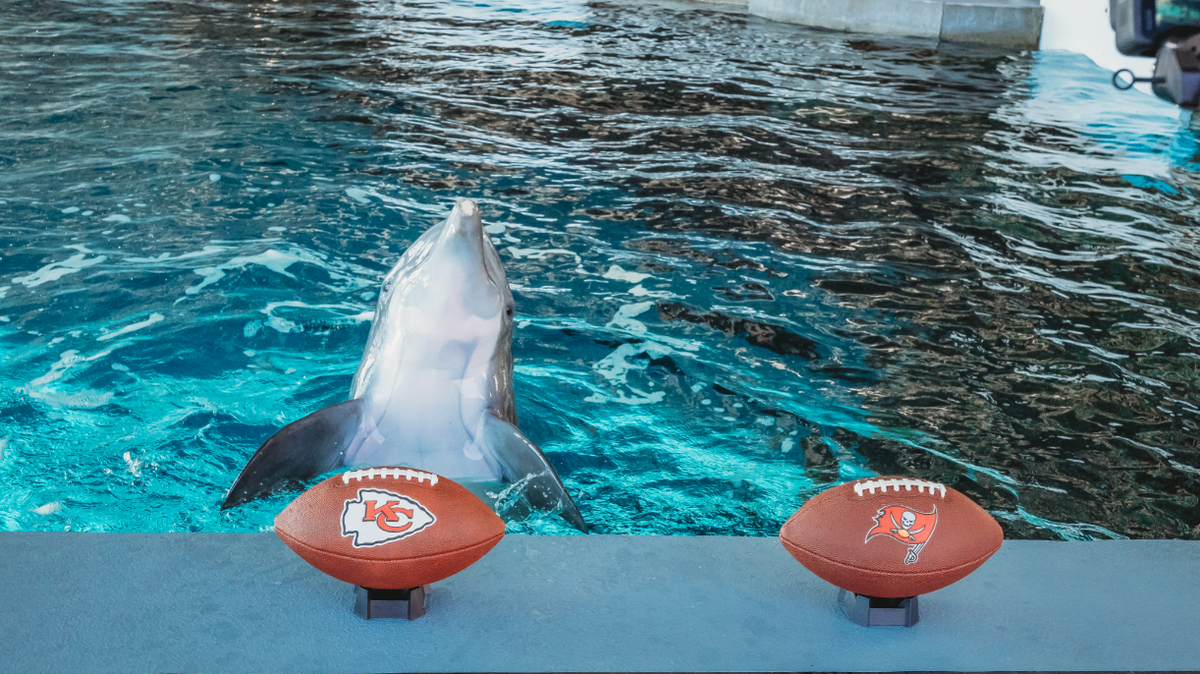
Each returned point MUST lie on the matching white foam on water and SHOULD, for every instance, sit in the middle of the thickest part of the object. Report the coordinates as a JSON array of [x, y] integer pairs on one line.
[[545, 290], [282, 325], [70, 209], [624, 318], [4, 319], [4, 291], [66, 360], [540, 253], [49, 508], [3, 446], [639, 291], [1068, 531], [214, 177], [358, 195], [642, 398], [87, 212], [57, 270], [616, 366], [277, 229], [616, 273], [118, 218], [272, 259], [285, 326], [166, 257], [625, 321], [84, 400], [278, 262], [154, 318], [496, 228], [276, 182], [787, 445], [134, 466]]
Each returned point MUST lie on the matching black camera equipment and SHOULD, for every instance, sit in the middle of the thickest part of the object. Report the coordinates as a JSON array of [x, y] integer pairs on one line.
[[1169, 30]]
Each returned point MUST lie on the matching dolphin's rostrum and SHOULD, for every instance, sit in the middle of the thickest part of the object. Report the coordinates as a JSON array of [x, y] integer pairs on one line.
[[434, 387]]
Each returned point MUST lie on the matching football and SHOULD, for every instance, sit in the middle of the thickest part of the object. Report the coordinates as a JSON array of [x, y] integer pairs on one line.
[[891, 536], [389, 528]]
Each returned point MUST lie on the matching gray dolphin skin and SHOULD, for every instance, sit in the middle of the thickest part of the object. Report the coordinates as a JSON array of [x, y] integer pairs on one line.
[[434, 388]]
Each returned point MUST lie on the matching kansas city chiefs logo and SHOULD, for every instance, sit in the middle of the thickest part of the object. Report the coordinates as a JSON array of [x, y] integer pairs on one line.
[[911, 527], [376, 517]]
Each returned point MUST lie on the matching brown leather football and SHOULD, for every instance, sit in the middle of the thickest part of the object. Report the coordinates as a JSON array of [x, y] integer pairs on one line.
[[891, 536], [389, 528]]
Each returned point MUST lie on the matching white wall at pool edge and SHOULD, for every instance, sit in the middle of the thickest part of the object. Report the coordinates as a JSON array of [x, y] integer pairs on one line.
[[1082, 26]]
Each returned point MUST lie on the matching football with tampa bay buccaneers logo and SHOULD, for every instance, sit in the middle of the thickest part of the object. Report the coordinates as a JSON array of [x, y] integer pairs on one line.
[[891, 536], [389, 528]]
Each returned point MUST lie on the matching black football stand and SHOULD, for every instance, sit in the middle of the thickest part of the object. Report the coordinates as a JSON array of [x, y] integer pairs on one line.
[[409, 604], [879, 611]]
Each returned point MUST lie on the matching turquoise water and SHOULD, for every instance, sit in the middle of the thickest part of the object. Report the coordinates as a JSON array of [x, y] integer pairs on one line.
[[750, 260]]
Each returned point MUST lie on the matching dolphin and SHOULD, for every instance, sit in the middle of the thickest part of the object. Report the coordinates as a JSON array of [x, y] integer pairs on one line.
[[434, 388]]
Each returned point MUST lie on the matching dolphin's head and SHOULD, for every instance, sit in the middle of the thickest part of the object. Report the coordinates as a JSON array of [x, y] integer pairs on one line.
[[464, 268], [446, 306]]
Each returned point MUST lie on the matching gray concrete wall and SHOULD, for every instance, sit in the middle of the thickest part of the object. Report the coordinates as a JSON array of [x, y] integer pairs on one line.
[[134, 603], [1014, 23]]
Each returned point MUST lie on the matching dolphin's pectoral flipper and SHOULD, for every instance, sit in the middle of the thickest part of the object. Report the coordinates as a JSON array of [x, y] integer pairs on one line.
[[522, 460], [299, 451]]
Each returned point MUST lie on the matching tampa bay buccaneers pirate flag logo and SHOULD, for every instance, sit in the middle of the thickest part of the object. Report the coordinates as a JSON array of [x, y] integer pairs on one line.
[[908, 526]]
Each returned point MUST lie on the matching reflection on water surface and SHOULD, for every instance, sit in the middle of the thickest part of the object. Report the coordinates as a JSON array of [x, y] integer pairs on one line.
[[750, 259]]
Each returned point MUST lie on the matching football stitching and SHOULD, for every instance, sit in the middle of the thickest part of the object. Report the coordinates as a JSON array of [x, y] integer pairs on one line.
[[394, 473], [907, 483]]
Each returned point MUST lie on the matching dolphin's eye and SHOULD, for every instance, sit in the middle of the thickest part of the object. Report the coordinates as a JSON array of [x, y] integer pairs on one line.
[[508, 311]]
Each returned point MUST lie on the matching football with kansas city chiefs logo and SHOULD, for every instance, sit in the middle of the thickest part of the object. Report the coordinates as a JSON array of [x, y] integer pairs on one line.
[[389, 528], [891, 536]]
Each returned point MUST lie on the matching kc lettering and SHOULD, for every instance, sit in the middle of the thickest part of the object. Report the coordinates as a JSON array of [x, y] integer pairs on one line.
[[387, 516], [376, 517]]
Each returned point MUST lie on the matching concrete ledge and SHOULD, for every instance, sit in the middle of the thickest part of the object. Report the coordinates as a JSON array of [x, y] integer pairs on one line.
[[1013, 23], [216, 603]]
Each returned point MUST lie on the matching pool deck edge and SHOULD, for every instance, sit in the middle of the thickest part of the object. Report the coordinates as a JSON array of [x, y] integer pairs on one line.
[[245, 603], [1007, 23]]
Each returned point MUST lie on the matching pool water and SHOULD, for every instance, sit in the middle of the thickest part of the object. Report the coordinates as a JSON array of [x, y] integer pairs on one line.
[[750, 260]]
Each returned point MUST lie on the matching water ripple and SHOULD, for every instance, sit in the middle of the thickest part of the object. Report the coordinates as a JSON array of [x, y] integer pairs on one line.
[[750, 260]]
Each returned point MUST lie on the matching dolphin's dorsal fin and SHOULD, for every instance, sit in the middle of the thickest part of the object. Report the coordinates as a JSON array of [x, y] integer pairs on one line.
[[300, 451], [521, 459]]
